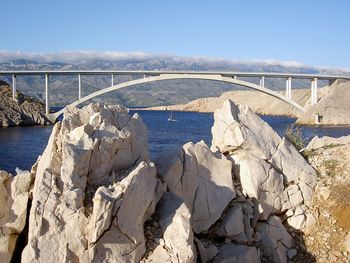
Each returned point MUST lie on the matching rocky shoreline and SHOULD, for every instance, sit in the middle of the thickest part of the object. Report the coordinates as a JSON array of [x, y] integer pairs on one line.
[[95, 196], [332, 107], [22, 111]]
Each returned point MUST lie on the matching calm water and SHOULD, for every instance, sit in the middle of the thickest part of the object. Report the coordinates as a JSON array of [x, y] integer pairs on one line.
[[20, 146]]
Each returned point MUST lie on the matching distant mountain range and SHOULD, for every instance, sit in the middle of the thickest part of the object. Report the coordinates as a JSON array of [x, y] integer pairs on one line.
[[64, 89]]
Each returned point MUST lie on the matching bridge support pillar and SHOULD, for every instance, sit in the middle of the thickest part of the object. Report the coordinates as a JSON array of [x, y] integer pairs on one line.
[[314, 91], [112, 80], [262, 81], [289, 88], [14, 88], [79, 86], [47, 107]]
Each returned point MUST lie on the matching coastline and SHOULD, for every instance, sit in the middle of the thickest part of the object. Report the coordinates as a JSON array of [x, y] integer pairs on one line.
[[332, 108]]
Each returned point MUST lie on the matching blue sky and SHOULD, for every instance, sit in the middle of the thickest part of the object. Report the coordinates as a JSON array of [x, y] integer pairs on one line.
[[312, 32]]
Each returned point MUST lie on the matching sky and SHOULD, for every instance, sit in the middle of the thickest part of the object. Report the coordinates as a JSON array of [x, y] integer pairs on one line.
[[315, 33]]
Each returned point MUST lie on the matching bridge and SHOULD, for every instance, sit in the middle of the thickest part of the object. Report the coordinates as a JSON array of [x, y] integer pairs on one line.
[[151, 76]]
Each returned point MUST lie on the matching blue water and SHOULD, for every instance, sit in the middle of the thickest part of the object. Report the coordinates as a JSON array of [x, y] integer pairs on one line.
[[20, 146]]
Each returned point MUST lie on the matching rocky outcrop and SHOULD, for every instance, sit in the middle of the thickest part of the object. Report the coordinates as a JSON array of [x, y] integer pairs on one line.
[[98, 198], [14, 198], [269, 168], [276, 242], [202, 179], [177, 243], [22, 111], [94, 189], [237, 253], [270, 183], [333, 106]]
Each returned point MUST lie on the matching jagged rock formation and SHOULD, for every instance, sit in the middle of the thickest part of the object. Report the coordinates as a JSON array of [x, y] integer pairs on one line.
[[98, 198], [94, 189], [201, 179], [14, 196], [269, 168], [176, 244], [22, 111]]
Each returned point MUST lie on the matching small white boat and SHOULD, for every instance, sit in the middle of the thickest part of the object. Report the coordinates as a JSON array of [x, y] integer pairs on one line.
[[171, 117]]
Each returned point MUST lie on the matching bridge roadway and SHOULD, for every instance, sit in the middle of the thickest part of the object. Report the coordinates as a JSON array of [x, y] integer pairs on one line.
[[151, 76]]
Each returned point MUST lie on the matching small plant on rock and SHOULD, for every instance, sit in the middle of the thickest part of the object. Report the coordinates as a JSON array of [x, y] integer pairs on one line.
[[331, 166], [294, 135]]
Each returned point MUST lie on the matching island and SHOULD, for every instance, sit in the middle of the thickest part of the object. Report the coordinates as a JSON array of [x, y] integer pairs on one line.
[[21, 110]]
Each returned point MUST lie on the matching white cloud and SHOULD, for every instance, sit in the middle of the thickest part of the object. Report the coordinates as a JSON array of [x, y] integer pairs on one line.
[[77, 57], [71, 56]]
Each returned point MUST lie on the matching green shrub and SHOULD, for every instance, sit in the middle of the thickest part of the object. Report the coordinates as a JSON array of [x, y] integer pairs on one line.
[[295, 136], [332, 145], [331, 166]]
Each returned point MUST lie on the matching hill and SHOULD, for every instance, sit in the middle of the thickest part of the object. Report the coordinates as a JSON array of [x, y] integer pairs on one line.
[[64, 89], [333, 106], [257, 101]]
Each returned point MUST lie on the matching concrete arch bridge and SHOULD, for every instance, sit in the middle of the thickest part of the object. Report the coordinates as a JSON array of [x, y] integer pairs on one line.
[[152, 76]]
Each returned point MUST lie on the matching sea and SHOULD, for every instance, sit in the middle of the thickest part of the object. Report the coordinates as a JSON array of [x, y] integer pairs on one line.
[[21, 146]]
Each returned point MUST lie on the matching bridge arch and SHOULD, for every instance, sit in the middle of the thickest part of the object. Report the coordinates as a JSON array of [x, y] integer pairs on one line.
[[161, 77]]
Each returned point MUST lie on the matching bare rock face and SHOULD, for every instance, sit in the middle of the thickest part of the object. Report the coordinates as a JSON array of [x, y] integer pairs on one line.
[[178, 241], [275, 240], [206, 251], [238, 127], [269, 168], [237, 253], [233, 224], [115, 229], [202, 179], [14, 196], [94, 189], [21, 111]]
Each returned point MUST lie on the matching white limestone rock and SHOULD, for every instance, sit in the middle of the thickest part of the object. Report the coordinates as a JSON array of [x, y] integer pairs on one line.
[[294, 166], [232, 225], [14, 196], [116, 231], [174, 220], [206, 251], [268, 167], [201, 178], [296, 221], [238, 127], [261, 181], [94, 188], [310, 219], [275, 240], [238, 254]]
